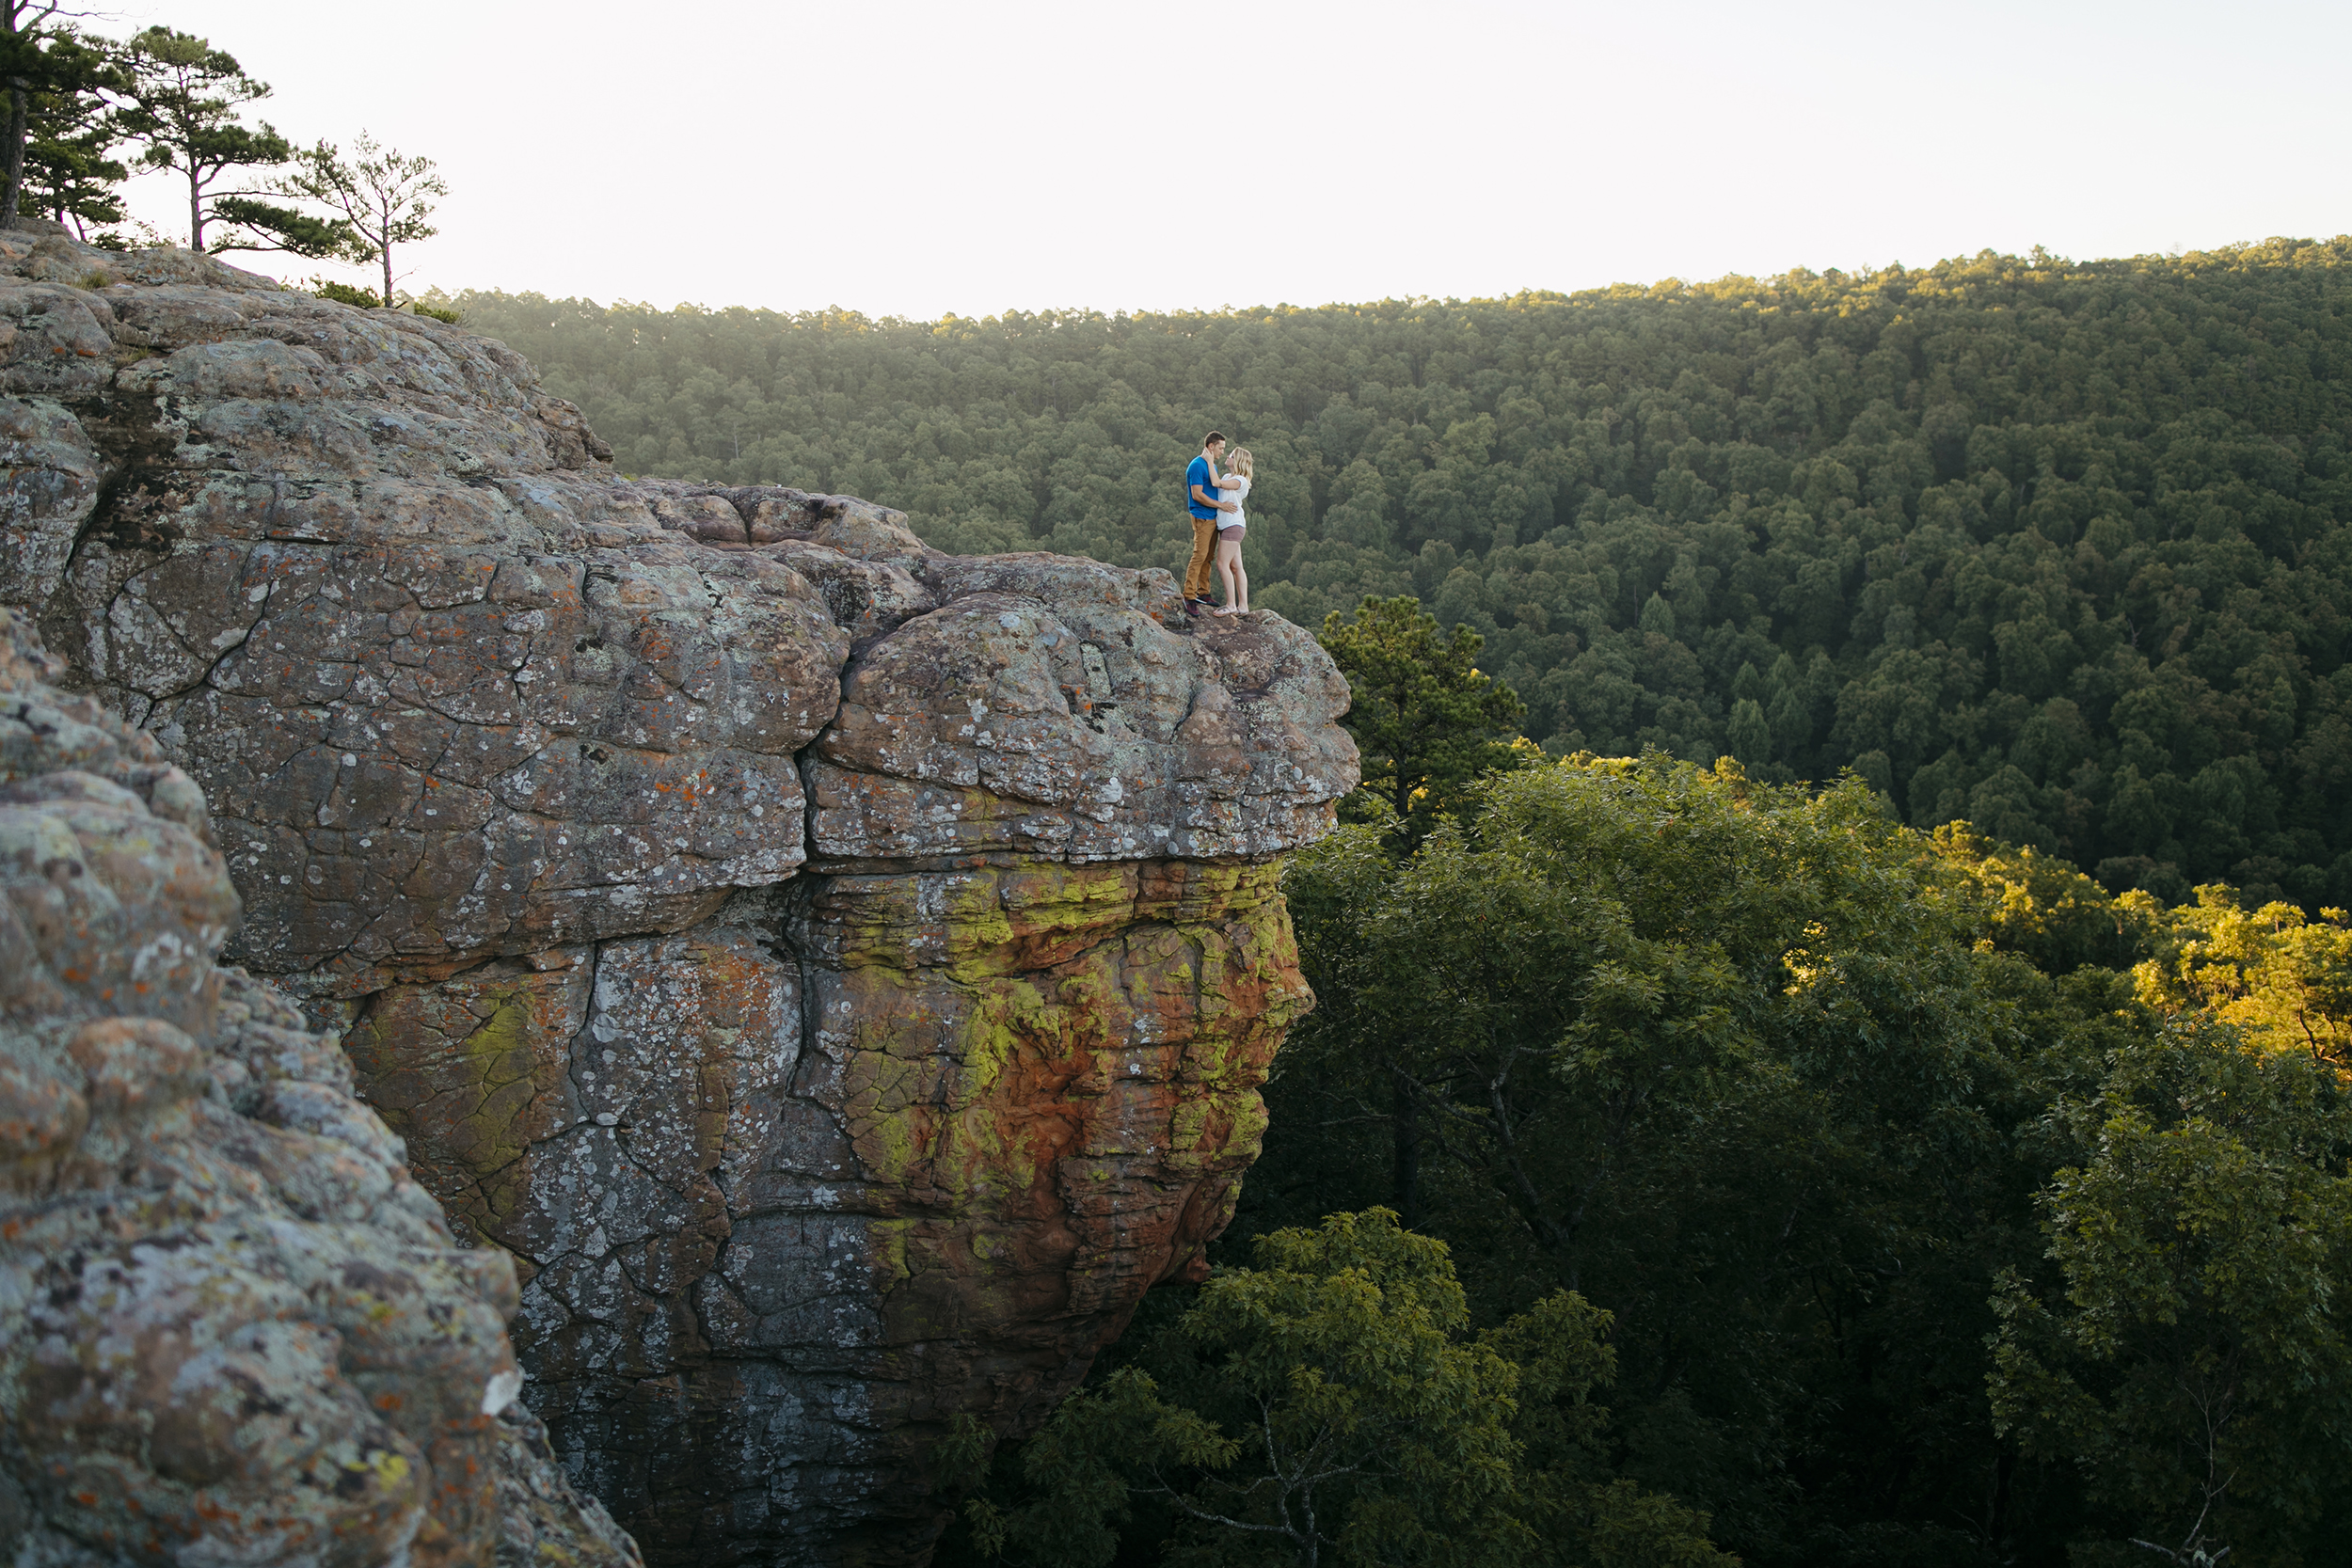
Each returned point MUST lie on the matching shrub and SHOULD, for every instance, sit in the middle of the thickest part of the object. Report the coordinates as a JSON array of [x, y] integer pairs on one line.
[[343, 294]]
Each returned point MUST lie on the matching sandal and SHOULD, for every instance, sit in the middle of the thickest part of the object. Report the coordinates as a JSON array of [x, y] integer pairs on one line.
[[1226, 609]]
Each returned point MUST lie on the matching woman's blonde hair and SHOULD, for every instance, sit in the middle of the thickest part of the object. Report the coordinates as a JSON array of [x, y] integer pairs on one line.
[[1238, 459]]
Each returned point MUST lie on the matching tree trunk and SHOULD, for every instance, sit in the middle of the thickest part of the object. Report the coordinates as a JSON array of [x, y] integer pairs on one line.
[[196, 207], [12, 159], [13, 155], [386, 251], [1404, 1125]]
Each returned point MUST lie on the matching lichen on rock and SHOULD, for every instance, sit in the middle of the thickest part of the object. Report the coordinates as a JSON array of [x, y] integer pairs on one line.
[[832, 980], [234, 1330]]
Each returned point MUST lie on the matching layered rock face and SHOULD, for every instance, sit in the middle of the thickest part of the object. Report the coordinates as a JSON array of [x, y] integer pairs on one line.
[[234, 1330], [836, 974]]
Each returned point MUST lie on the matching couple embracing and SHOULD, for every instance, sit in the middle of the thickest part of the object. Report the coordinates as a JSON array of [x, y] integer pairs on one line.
[[1217, 525]]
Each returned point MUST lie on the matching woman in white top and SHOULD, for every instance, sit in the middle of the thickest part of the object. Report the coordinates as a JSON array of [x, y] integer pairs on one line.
[[1234, 485]]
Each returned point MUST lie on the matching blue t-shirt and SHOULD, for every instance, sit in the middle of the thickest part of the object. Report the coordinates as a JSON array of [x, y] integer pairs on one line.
[[1199, 474]]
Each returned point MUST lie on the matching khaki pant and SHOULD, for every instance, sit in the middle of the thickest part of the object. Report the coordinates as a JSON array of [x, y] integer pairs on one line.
[[1201, 571]]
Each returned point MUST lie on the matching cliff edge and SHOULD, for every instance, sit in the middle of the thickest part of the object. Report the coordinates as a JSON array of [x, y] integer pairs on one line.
[[835, 975]]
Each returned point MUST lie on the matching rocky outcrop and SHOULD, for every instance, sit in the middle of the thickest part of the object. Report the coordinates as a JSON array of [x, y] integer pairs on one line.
[[837, 975], [235, 1330]]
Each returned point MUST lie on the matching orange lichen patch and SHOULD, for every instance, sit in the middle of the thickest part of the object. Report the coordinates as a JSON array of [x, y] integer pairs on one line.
[[1050, 1074]]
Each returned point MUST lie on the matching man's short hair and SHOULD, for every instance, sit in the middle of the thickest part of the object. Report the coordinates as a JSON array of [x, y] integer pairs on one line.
[[1212, 438]]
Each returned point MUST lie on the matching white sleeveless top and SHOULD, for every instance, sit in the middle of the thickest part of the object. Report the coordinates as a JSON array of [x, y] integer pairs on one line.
[[1234, 488]]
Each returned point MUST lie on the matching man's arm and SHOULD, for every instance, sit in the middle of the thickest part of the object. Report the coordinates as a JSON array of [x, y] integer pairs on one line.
[[1211, 500]]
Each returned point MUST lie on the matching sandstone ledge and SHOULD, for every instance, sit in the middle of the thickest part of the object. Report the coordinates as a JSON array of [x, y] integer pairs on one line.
[[837, 975]]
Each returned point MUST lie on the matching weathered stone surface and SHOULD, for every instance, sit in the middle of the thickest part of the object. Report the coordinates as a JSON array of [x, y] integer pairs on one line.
[[1063, 709], [232, 1329], [797, 1185], [836, 974], [51, 485], [544, 1520], [454, 689]]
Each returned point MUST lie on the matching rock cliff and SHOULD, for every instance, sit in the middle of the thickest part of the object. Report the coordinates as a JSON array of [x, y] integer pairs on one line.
[[837, 975]]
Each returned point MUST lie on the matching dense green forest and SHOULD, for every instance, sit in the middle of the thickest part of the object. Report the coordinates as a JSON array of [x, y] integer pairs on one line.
[[1811, 1190], [2051, 547]]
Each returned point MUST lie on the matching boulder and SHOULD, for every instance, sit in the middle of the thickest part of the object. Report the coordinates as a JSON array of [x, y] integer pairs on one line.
[[233, 1328]]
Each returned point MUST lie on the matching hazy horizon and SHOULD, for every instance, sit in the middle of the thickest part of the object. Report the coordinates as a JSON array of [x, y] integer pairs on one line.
[[920, 158], [619, 302]]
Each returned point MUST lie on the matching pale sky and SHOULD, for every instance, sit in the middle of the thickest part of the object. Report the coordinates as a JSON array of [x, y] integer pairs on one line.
[[912, 157]]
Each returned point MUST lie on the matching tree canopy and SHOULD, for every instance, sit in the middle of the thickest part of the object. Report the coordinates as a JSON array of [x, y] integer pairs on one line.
[[1942, 1208], [378, 199], [1331, 1404], [74, 99], [2187, 1350], [183, 99], [1425, 718]]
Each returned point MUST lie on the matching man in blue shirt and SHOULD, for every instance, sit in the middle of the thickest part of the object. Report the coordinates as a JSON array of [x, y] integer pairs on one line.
[[1202, 501]]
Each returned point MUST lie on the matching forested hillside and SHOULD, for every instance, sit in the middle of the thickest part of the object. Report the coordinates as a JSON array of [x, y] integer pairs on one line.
[[1840, 1196], [2056, 547]]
